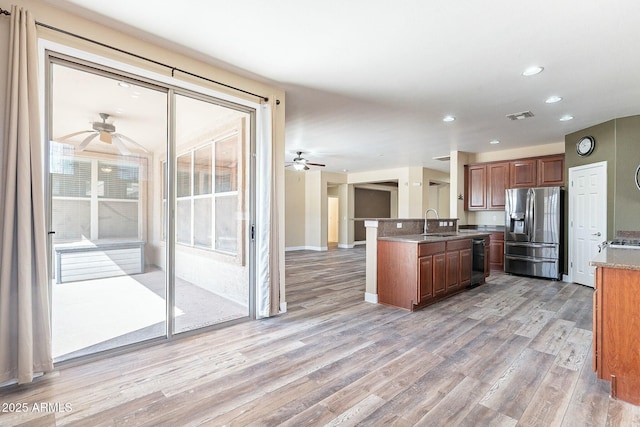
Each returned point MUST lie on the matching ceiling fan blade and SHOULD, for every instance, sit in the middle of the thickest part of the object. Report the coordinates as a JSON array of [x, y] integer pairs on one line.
[[115, 138], [316, 164], [86, 141], [71, 135], [130, 141]]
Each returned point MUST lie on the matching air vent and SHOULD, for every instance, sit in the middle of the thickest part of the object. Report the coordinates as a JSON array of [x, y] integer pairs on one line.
[[442, 158], [520, 116]]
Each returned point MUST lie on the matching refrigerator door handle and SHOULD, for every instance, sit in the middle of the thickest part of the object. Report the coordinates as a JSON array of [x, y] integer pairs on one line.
[[528, 259], [532, 212], [527, 216], [532, 245]]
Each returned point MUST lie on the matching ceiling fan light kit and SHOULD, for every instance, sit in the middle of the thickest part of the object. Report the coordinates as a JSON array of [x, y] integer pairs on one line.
[[299, 163]]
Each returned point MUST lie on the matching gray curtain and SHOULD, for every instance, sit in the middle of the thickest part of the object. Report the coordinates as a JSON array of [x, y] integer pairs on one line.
[[25, 330]]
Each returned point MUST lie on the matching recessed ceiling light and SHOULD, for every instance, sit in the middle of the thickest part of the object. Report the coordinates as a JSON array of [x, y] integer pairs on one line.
[[448, 119], [553, 99], [566, 118], [124, 84], [494, 142], [532, 71]]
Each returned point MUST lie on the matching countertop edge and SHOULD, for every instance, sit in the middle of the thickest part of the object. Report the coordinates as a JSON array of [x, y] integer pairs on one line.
[[624, 259], [419, 238]]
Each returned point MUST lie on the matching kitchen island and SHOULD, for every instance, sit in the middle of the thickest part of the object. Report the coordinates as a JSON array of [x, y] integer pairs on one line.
[[616, 321], [417, 270]]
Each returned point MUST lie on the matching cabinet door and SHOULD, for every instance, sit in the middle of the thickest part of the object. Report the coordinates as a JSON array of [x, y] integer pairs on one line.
[[496, 252], [439, 274], [465, 267], [487, 256], [453, 271], [476, 184], [522, 173], [498, 182], [551, 171], [425, 276]]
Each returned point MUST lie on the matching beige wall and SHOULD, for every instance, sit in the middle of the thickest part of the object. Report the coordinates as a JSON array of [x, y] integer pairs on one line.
[[294, 206], [518, 153], [49, 15]]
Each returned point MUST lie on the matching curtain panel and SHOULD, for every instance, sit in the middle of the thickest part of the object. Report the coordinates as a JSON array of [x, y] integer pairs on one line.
[[267, 255], [25, 329]]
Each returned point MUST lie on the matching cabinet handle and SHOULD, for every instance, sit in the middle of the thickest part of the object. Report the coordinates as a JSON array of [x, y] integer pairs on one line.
[[597, 234]]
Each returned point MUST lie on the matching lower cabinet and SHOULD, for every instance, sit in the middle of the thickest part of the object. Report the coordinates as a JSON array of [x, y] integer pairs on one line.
[[616, 321], [438, 270], [496, 252]]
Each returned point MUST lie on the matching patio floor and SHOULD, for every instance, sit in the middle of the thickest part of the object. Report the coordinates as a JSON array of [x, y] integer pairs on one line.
[[95, 315]]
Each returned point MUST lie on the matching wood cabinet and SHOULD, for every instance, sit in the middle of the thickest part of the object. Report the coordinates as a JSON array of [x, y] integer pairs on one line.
[[551, 171], [497, 183], [485, 183], [523, 173], [487, 256], [496, 252], [476, 187], [413, 275], [616, 321]]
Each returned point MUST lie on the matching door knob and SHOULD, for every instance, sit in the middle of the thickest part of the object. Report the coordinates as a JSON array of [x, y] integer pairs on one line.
[[596, 234]]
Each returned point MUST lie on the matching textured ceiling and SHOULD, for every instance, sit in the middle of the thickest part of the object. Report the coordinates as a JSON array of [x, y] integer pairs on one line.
[[369, 81]]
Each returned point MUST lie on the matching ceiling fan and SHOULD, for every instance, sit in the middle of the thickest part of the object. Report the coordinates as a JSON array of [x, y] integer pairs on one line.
[[299, 163], [107, 134]]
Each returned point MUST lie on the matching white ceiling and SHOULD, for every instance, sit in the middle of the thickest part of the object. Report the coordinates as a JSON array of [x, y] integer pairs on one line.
[[369, 81]]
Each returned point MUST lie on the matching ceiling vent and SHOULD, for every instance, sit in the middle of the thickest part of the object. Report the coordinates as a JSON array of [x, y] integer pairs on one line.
[[442, 158], [520, 116]]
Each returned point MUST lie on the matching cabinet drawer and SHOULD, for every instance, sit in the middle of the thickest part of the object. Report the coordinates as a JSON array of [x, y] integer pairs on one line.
[[430, 248], [456, 245]]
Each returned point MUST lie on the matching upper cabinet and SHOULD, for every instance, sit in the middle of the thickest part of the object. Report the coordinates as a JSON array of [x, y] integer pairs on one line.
[[551, 171], [485, 183], [498, 181], [523, 173], [476, 187]]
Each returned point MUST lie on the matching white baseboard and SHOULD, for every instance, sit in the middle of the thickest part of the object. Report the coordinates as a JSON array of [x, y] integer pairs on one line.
[[566, 278], [294, 248], [360, 242], [343, 246], [372, 298], [306, 248], [283, 307]]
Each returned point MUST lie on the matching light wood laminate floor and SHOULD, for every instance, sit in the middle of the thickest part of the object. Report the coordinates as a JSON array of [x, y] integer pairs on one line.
[[516, 351]]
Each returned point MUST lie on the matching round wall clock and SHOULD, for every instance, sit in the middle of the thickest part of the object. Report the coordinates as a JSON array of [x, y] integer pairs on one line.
[[637, 178], [585, 145]]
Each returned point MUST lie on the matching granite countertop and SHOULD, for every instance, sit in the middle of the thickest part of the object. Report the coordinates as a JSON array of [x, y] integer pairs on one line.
[[627, 259], [436, 237]]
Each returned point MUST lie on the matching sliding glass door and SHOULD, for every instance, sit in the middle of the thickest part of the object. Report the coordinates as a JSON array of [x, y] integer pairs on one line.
[[212, 201], [119, 186]]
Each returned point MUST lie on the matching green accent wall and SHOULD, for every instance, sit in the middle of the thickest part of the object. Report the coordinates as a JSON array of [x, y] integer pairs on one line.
[[617, 143]]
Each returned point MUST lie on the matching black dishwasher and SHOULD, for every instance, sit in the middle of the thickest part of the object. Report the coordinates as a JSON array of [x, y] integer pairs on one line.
[[477, 266]]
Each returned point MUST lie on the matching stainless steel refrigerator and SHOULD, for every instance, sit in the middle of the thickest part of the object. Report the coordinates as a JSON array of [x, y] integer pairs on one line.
[[533, 235]]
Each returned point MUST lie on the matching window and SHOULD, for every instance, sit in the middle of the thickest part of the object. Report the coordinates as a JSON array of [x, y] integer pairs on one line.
[[94, 198], [207, 196]]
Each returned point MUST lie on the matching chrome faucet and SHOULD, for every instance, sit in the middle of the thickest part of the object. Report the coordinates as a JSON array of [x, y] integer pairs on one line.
[[425, 217]]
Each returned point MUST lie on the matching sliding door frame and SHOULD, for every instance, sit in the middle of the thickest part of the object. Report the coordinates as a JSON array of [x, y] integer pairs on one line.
[[54, 53]]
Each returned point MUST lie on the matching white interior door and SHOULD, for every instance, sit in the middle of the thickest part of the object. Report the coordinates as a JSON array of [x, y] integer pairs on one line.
[[333, 219], [587, 218]]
